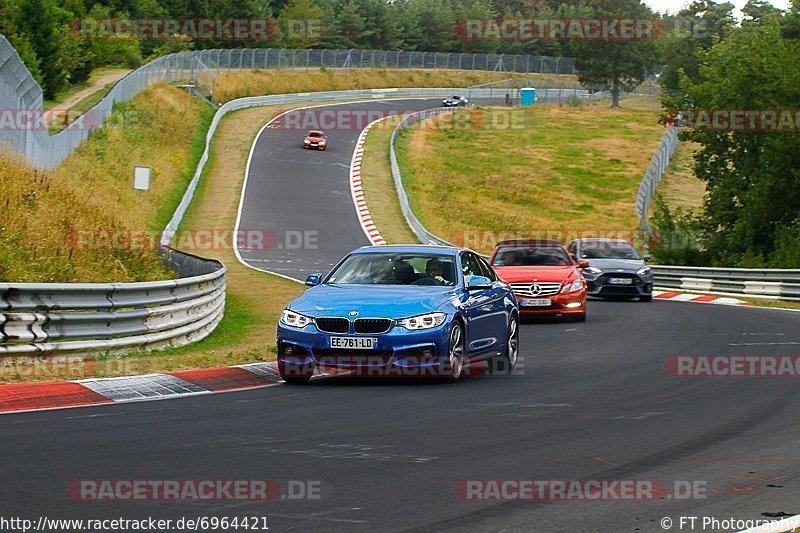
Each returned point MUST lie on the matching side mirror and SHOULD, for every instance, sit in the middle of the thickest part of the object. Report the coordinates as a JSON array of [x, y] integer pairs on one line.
[[478, 283], [314, 279], [583, 263], [647, 258]]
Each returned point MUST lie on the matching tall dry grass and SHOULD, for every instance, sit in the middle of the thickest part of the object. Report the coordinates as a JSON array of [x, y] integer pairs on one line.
[[259, 82], [83, 221]]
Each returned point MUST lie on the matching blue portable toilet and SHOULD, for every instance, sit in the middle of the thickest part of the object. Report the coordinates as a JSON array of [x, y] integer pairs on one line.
[[528, 96]]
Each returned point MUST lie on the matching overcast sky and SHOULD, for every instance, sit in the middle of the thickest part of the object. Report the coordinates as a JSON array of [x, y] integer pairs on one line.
[[672, 6]]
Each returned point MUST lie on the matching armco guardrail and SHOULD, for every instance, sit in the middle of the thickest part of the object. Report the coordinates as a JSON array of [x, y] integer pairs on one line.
[[78, 318], [774, 283], [422, 233], [652, 177]]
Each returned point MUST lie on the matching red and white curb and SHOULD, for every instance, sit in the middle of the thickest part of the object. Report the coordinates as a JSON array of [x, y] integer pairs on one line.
[[34, 396], [698, 298], [357, 191]]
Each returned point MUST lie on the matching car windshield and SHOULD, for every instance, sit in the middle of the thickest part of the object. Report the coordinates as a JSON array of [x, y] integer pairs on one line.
[[609, 250], [395, 269], [541, 256], [314, 134]]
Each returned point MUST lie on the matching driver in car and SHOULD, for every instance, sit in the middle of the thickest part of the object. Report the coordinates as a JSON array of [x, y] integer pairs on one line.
[[435, 269]]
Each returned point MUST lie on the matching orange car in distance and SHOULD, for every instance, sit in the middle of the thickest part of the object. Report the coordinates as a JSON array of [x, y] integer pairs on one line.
[[315, 139], [546, 280]]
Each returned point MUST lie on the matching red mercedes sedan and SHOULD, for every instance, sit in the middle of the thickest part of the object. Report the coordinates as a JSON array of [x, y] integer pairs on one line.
[[545, 278]]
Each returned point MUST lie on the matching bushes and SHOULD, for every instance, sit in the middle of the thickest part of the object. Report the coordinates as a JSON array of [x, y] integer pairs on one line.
[[676, 236], [116, 51], [787, 247]]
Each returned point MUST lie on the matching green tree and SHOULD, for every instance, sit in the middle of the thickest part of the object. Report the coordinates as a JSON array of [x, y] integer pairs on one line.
[[351, 26], [614, 63], [759, 11], [752, 177], [790, 24], [695, 30], [38, 23], [479, 10], [427, 25], [300, 20]]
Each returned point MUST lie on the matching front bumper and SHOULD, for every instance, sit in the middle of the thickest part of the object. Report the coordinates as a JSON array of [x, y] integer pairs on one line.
[[601, 286], [398, 348], [560, 304]]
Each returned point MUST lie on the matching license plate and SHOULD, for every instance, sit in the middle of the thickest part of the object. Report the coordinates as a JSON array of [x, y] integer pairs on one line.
[[354, 343], [535, 302], [620, 281]]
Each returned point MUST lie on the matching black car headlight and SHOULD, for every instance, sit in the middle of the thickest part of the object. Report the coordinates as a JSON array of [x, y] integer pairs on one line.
[[295, 320]]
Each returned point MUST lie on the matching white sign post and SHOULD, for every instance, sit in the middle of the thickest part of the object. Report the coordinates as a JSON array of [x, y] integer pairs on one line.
[[141, 178]]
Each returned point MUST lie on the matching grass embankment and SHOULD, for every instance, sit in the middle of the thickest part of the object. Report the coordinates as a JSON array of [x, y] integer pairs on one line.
[[379, 189], [77, 223], [679, 187], [542, 171], [232, 85]]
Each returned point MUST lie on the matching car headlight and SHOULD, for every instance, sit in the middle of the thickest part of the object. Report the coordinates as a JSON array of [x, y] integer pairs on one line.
[[643, 271], [573, 287], [296, 320], [307, 141], [431, 320], [322, 141], [593, 270]]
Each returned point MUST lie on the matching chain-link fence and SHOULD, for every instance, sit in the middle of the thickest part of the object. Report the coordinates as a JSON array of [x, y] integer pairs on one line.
[[23, 121], [267, 58], [652, 177]]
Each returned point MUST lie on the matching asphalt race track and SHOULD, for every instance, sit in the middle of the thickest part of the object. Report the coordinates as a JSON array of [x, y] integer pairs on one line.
[[301, 198], [590, 401]]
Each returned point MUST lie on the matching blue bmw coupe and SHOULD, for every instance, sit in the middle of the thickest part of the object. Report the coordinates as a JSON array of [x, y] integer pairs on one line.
[[401, 311]]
